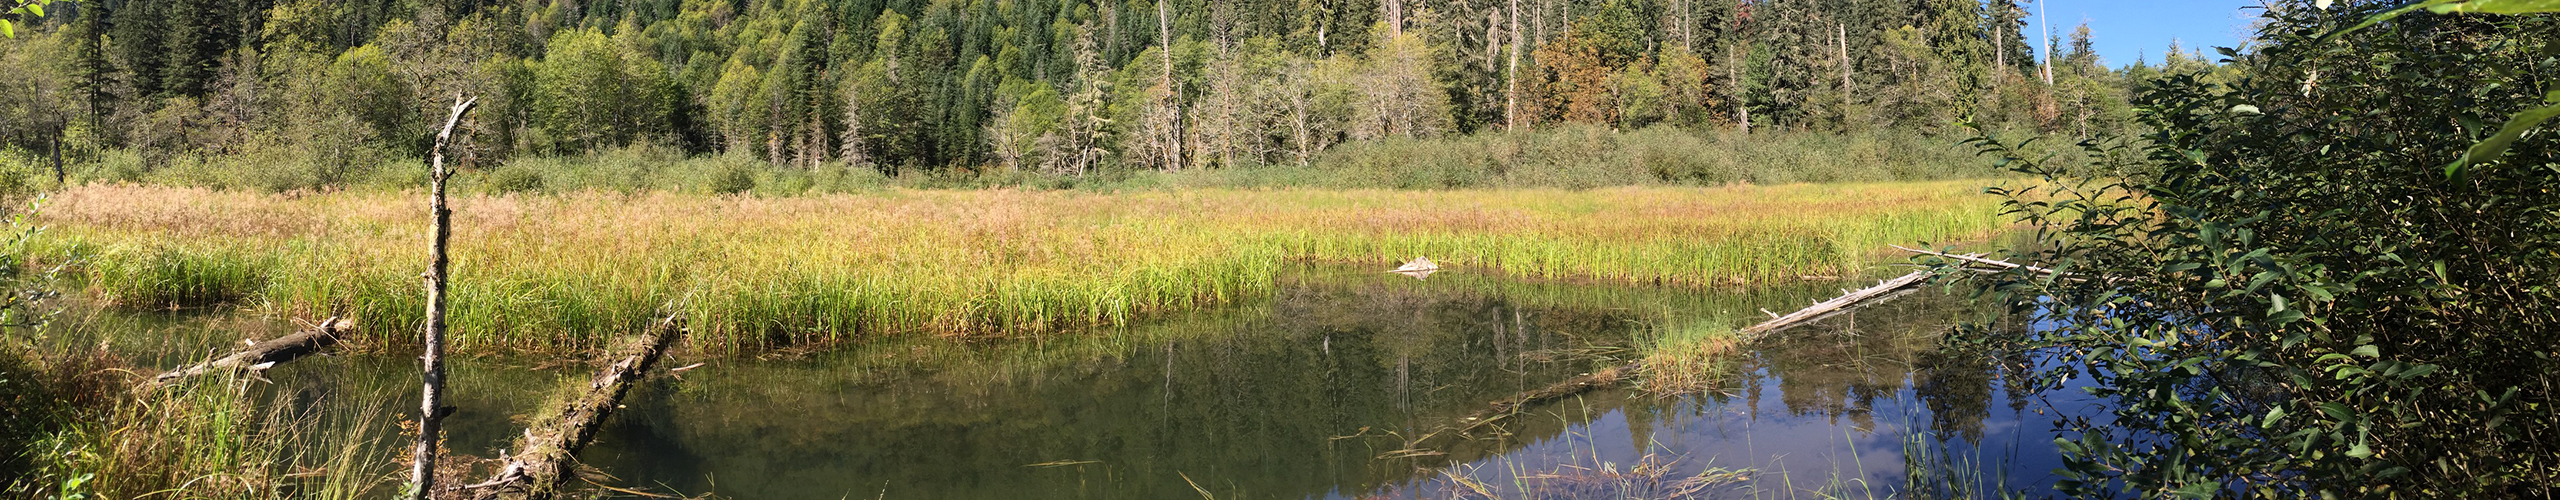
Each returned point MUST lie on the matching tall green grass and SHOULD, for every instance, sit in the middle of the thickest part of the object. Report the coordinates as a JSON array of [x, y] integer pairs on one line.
[[219, 437], [145, 276], [566, 271]]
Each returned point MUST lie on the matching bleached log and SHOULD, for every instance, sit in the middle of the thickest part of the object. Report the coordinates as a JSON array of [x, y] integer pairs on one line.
[[1820, 309], [1978, 260]]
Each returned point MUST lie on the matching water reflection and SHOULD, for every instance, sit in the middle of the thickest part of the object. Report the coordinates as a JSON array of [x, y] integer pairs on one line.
[[1324, 390]]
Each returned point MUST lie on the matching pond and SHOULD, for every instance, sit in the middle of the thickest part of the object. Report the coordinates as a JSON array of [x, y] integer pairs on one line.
[[1345, 384]]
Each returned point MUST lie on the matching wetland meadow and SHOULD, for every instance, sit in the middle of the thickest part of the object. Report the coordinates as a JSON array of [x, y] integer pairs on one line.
[[1027, 343]]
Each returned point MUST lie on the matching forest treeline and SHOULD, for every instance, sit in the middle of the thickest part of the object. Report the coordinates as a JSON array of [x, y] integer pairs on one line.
[[320, 89]]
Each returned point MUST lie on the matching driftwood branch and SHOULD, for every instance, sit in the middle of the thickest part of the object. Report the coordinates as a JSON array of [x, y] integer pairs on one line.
[[1977, 259], [1825, 308], [1886, 289], [263, 354], [548, 456]]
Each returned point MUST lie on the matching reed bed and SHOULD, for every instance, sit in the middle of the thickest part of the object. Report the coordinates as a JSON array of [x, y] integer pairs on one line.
[[552, 272]]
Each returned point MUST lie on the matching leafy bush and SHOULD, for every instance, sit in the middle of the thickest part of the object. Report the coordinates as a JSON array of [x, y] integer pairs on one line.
[[514, 178], [2285, 290]]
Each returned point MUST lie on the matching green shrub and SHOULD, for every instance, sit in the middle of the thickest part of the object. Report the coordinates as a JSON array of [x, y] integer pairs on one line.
[[2285, 291], [513, 178], [732, 178], [1569, 156]]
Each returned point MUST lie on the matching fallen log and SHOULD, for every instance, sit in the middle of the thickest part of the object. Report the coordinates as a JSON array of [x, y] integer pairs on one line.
[[1825, 308], [1502, 410], [548, 455], [262, 355], [1977, 259]]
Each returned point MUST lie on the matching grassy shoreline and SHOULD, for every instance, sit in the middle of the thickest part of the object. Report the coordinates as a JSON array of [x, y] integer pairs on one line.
[[549, 272]]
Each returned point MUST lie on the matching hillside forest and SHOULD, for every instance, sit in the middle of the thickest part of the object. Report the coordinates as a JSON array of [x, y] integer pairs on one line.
[[315, 92]]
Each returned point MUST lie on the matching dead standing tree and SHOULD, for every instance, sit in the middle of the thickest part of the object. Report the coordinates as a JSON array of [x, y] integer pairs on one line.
[[431, 410]]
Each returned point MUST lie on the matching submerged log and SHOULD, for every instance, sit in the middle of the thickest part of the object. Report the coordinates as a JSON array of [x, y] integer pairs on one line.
[[262, 355], [1569, 388], [549, 453]]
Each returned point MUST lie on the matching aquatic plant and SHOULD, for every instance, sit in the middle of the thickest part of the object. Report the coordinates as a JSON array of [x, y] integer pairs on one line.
[[549, 272]]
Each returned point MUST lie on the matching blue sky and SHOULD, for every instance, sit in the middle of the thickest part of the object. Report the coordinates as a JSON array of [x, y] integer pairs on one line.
[[2126, 29]]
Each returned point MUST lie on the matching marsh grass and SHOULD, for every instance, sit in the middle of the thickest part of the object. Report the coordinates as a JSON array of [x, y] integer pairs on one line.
[[1932, 470], [549, 272], [164, 277], [1689, 357], [216, 438]]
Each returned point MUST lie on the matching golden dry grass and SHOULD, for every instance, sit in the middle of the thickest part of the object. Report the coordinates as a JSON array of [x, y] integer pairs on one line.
[[561, 271]]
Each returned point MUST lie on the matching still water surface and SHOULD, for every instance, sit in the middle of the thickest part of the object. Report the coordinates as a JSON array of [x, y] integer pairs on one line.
[[1323, 390]]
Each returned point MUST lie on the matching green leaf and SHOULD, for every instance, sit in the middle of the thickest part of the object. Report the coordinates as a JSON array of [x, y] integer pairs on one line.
[[2367, 350], [2496, 145], [2451, 6], [7, 31], [2272, 416], [2360, 450], [2378, 19], [36, 8], [2496, 6]]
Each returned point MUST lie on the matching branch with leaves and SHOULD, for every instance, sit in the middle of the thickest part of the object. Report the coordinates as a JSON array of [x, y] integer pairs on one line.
[[20, 11], [2495, 145]]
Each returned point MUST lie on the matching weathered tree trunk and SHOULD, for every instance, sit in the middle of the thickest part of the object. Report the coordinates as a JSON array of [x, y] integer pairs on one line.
[[263, 354], [2044, 44], [548, 456], [1395, 17], [1999, 57], [422, 474], [1844, 62], [1688, 27], [1741, 89], [1511, 75], [1541, 19], [1172, 98]]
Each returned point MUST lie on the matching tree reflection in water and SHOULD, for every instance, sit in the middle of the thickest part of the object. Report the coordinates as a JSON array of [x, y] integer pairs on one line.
[[1318, 391]]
